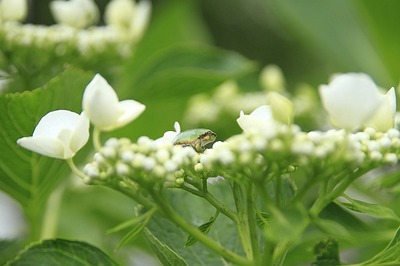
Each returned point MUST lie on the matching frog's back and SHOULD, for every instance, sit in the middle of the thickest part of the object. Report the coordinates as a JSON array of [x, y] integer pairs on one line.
[[188, 136]]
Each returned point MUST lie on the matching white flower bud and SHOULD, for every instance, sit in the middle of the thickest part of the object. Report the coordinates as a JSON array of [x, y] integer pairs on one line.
[[108, 152], [75, 13], [170, 166], [282, 108], [199, 167], [162, 155], [272, 78], [390, 158], [13, 10], [91, 170], [122, 169], [149, 163], [376, 156], [127, 156], [106, 112]]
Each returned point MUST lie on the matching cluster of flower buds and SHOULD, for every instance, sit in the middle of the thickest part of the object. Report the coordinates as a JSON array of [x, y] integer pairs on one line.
[[146, 162], [76, 32]]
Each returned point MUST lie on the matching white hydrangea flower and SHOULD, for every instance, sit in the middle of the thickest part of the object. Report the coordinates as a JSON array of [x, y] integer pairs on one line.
[[13, 10], [105, 111], [282, 108], [260, 120], [120, 13], [383, 118], [59, 134], [352, 99], [127, 15], [75, 13], [272, 79]]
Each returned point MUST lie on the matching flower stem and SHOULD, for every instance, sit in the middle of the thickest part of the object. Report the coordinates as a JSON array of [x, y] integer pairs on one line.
[[322, 202], [242, 222], [76, 171], [51, 213], [196, 233], [96, 139], [251, 217]]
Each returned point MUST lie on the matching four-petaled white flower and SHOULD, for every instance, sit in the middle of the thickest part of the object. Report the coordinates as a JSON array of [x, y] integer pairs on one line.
[[352, 100], [75, 13], [59, 134], [13, 10], [260, 118]]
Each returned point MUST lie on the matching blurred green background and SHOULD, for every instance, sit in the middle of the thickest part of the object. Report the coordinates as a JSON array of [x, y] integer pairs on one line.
[[193, 46]]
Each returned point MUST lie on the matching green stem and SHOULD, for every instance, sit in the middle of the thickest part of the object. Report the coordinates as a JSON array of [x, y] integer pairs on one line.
[[197, 234], [252, 225], [322, 202], [213, 201], [242, 224], [96, 139], [75, 170], [129, 191], [52, 212]]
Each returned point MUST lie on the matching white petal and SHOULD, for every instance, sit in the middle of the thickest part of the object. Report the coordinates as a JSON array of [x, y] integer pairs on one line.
[[131, 110], [75, 13], [141, 19], [350, 99], [259, 118], [81, 133], [100, 103], [13, 10], [45, 146], [383, 118], [177, 127], [59, 134], [120, 13], [53, 122]]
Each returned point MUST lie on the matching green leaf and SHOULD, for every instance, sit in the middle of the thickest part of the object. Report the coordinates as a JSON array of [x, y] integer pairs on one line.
[[287, 224], [390, 255], [332, 228], [326, 253], [61, 252], [140, 219], [135, 231], [164, 253], [194, 209], [166, 80], [185, 70], [204, 228], [262, 219], [371, 209], [29, 177], [347, 42]]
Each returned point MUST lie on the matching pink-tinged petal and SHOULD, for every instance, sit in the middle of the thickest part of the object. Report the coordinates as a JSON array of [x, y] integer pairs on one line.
[[350, 99]]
